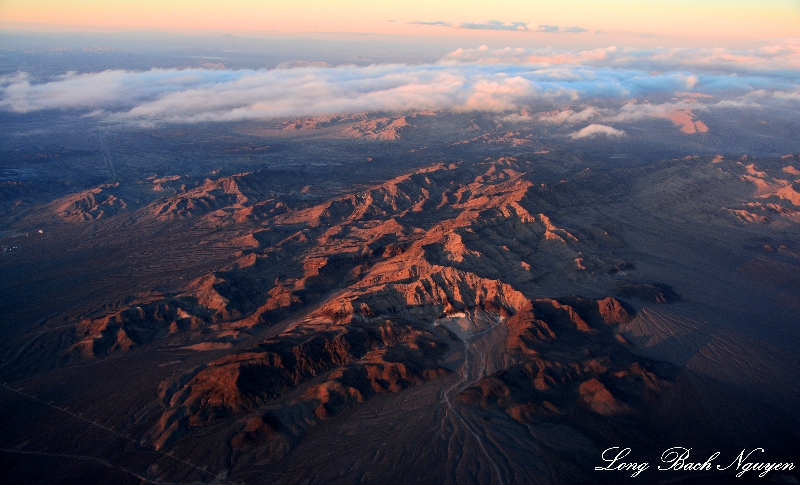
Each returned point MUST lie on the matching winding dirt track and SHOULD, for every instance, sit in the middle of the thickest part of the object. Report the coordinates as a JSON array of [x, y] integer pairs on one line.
[[470, 337]]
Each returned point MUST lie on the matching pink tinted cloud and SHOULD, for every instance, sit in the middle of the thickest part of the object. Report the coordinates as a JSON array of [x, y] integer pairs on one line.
[[681, 114]]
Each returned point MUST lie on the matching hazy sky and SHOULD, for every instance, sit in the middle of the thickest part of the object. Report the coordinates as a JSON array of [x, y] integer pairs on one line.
[[691, 21]]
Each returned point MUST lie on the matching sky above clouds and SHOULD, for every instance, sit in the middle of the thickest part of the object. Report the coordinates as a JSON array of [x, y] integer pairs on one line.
[[529, 20]]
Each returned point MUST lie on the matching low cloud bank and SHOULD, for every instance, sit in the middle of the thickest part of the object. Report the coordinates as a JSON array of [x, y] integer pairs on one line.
[[483, 79], [780, 59], [594, 130]]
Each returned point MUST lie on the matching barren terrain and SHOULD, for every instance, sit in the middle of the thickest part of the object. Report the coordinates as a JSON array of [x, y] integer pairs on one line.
[[361, 299]]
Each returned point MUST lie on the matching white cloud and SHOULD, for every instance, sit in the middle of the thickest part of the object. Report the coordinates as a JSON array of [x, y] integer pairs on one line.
[[639, 111], [787, 95], [594, 130]]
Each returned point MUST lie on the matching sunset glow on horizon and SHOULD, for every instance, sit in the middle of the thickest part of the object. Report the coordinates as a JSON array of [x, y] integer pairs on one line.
[[510, 19]]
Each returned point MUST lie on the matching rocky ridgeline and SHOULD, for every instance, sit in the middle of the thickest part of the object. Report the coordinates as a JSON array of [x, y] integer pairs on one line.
[[358, 283], [438, 240]]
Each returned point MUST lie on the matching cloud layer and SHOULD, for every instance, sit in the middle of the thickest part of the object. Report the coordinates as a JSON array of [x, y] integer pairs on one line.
[[780, 59], [558, 28], [495, 80], [496, 25], [511, 26], [439, 23]]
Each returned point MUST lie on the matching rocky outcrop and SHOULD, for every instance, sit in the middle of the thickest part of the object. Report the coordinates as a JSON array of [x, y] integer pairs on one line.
[[212, 195], [134, 326], [89, 205], [344, 364], [378, 128], [563, 360], [650, 292]]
